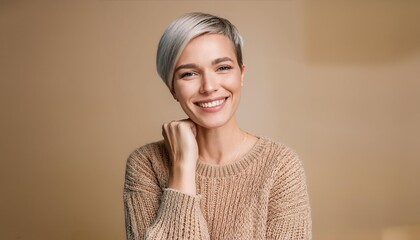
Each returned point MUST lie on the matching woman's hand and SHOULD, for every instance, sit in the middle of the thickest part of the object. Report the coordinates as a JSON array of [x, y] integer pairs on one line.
[[182, 147]]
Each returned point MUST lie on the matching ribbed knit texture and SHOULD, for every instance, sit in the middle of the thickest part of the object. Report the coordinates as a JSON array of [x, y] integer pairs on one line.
[[263, 195]]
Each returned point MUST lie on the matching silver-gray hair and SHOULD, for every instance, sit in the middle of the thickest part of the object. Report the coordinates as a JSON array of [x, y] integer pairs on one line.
[[185, 28]]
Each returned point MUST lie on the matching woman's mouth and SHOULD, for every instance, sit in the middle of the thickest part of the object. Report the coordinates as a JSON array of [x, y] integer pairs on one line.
[[211, 104]]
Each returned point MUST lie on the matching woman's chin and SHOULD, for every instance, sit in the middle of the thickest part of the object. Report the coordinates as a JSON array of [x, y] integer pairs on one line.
[[210, 123]]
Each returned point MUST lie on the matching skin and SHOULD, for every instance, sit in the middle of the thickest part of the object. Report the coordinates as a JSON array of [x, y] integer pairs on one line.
[[207, 70]]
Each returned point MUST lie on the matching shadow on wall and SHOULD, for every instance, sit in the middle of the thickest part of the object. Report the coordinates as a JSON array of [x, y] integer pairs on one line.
[[368, 32]]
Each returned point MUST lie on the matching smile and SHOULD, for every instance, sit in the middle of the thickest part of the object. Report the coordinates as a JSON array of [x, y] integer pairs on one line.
[[211, 104]]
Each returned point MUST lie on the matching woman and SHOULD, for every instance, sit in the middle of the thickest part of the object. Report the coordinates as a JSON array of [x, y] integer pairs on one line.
[[208, 179]]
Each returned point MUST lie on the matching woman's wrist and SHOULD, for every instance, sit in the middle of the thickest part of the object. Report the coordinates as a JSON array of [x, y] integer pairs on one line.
[[182, 178]]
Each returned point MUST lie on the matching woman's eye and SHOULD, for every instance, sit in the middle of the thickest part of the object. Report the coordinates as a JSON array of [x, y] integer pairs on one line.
[[187, 74], [224, 68]]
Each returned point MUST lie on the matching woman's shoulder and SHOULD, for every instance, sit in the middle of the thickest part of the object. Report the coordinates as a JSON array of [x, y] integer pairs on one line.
[[284, 163], [278, 148], [149, 153], [279, 155], [148, 149], [147, 163]]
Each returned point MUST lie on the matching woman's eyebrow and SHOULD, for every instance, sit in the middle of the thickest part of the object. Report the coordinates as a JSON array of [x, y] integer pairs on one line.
[[219, 60], [192, 65], [189, 65]]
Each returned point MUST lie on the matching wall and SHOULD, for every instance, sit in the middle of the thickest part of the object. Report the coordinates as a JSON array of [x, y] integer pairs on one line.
[[337, 80]]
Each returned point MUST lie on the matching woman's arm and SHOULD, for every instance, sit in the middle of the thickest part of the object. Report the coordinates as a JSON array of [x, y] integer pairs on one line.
[[180, 142], [155, 213], [170, 213]]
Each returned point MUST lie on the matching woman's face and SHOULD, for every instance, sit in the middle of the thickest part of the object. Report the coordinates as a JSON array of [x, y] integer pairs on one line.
[[208, 80]]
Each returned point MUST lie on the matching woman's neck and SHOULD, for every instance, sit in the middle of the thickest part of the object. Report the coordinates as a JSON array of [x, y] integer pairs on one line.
[[221, 145]]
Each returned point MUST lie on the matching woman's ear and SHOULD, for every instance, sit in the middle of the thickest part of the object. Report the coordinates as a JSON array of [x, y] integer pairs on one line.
[[174, 95]]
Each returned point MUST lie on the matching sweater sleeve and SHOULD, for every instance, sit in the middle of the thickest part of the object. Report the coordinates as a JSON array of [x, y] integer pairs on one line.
[[289, 214], [155, 213]]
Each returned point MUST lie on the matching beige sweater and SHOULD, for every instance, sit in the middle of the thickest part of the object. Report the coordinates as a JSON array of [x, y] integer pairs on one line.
[[263, 195]]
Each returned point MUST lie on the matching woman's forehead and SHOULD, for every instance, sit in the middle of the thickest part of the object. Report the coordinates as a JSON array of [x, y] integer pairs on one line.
[[211, 48]]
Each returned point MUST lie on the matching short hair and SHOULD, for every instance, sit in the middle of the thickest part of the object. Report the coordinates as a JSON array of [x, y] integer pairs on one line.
[[184, 29]]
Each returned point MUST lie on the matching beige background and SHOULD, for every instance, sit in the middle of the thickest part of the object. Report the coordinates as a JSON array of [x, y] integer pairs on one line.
[[338, 81]]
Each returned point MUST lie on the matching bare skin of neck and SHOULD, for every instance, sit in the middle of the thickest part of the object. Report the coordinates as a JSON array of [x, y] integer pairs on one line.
[[223, 145]]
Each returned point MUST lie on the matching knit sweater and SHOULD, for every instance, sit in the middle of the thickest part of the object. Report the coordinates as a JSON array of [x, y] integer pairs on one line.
[[262, 195]]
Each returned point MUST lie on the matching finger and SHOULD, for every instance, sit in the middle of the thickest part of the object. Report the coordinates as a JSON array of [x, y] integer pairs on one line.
[[165, 130], [191, 124], [168, 141]]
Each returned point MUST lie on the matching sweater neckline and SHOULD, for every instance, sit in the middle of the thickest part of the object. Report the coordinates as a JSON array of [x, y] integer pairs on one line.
[[234, 168]]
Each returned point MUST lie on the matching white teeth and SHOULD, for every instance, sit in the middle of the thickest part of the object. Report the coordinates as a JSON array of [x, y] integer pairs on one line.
[[211, 104]]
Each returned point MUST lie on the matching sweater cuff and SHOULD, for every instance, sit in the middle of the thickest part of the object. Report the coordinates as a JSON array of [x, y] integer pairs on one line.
[[179, 192], [179, 217], [175, 203]]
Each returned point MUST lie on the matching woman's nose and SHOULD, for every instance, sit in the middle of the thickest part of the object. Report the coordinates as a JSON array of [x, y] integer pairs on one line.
[[209, 83]]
